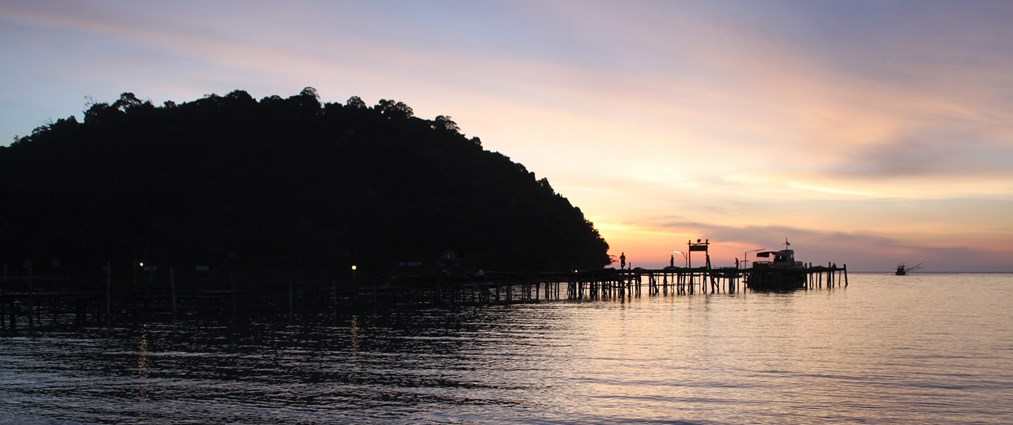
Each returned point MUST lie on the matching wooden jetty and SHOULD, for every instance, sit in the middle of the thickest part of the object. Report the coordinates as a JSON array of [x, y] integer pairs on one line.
[[29, 301]]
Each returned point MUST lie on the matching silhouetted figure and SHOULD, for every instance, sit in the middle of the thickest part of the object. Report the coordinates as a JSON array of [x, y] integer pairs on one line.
[[671, 261], [622, 260]]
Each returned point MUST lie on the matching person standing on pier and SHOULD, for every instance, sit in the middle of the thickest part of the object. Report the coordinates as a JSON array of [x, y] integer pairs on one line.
[[622, 260]]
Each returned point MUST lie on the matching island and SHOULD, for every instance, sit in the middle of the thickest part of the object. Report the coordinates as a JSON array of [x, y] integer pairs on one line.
[[280, 183]]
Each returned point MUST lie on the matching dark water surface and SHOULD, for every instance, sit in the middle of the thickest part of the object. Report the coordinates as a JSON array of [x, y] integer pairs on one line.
[[916, 349]]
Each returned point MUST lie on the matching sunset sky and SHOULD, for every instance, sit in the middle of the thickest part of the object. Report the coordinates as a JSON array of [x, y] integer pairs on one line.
[[865, 132]]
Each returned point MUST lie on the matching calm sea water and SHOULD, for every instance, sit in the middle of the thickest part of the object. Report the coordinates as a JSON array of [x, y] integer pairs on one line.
[[910, 350]]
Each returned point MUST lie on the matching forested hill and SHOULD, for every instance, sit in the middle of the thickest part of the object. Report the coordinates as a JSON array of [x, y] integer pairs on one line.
[[280, 182]]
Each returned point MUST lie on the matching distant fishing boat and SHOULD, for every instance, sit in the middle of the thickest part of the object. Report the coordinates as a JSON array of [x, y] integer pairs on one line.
[[903, 269], [780, 273]]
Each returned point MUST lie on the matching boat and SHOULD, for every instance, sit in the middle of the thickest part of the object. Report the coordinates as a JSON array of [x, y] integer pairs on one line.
[[777, 272], [903, 269]]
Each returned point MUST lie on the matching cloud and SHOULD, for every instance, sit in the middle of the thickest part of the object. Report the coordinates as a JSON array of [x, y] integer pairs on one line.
[[939, 151]]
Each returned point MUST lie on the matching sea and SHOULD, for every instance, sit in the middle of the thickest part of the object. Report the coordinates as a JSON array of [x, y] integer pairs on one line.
[[917, 349]]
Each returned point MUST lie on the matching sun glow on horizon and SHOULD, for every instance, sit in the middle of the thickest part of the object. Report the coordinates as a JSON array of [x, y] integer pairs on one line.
[[871, 141]]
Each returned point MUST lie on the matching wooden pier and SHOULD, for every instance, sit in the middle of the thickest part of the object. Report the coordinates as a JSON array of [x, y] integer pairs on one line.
[[32, 302]]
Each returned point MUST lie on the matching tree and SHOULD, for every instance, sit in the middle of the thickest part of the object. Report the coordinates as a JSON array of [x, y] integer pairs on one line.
[[307, 99], [237, 96], [394, 109], [309, 92], [355, 102], [445, 123], [126, 102], [97, 111]]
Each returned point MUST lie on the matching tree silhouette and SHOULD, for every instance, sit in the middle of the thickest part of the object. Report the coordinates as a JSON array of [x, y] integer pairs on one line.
[[284, 182], [355, 102], [445, 123], [393, 110]]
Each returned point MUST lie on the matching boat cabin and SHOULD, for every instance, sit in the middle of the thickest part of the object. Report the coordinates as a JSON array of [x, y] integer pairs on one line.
[[784, 256]]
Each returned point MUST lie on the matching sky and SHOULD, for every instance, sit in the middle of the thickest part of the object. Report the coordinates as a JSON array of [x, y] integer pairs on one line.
[[867, 133]]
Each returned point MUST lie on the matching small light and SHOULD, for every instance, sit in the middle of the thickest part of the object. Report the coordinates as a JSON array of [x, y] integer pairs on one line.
[[575, 270], [354, 267], [140, 263]]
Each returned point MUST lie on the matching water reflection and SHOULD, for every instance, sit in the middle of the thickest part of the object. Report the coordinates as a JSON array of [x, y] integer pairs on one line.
[[143, 356], [936, 348], [354, 331]]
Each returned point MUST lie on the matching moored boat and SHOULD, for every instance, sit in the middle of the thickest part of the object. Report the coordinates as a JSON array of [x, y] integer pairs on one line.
[[777, 272]]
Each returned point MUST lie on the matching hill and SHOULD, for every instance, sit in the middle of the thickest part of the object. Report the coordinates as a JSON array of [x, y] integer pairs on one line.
[[280, 182]]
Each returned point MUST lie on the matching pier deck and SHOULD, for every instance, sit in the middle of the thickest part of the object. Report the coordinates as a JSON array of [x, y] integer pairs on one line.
[[33, 302]]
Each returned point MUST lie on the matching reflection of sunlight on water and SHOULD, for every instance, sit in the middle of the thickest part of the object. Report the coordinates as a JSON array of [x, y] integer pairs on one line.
[[143, 363], [887, 350], [353, 330], [143, 354]]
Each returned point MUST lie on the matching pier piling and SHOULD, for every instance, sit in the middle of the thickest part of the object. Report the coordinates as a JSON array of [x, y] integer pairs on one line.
[[45, 301]]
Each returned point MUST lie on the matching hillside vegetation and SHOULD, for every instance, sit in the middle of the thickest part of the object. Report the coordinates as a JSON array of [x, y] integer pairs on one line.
[[280, 182]]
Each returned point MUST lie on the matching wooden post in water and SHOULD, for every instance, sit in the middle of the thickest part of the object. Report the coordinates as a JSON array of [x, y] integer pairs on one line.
[[291, 299], [80, 313], [809, 276], [234, 290], [3, 305], [689, 264], [172, 291], [31, 296], [12, 321], [334, 298], [109, 290], [845, 275], [146, 281]]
